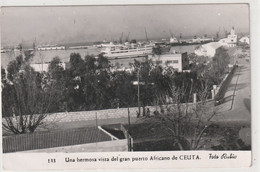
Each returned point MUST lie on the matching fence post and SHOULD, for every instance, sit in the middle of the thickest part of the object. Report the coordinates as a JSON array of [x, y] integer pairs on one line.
[[129, 128], [194, 98], [212, 94], [96, 119]]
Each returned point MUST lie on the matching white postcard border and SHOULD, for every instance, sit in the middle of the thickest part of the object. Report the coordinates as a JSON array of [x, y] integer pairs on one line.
[[254, 30]]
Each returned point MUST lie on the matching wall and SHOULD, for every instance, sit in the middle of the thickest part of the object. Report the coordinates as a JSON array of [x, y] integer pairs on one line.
[[222, 88], [99, 114], [107, 146], [52, 139]]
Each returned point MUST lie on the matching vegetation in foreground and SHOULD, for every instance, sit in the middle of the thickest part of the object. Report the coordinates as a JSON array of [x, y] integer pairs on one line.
[[90, 84]]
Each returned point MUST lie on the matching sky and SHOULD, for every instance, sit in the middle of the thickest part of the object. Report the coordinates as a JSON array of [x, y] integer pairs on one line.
[[51, 25]]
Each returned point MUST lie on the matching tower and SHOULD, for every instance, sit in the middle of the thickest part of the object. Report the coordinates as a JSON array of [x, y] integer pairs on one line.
[[232, 32]]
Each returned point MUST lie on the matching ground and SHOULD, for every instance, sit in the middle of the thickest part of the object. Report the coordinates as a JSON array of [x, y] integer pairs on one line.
[[237, 107]]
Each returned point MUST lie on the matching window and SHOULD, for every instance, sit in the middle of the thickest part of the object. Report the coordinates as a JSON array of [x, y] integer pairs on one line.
[[168, 62], [158, 62]]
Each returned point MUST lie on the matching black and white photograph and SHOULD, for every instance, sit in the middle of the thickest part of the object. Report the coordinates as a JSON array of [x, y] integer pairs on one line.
[[126, 78]]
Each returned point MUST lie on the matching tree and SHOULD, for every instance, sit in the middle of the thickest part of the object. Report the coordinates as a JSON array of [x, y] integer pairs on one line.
[[123, 93], [157, 50], [220, 63], [55, 69], [183, 123], [97, 86], [74, 82], [28, 55], [57, 79], [3, 76], [26, 101], [14, 67]]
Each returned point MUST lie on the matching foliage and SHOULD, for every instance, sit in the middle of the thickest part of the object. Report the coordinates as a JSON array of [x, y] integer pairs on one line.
[[220, 63], [89, 83], [183, 123], [157, 50], [26, 99]]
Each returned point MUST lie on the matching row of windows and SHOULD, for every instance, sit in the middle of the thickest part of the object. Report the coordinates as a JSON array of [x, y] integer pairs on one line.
[[167, 62]]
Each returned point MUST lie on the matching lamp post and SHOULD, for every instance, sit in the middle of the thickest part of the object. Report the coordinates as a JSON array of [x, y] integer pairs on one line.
[[138, 91], [138, 83]]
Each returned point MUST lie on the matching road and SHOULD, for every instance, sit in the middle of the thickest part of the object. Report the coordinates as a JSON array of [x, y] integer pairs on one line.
[[240, 86]]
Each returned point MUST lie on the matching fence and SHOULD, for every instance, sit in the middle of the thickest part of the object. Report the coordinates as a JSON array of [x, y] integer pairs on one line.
[[222, 88], [53, 139], [98, 115], [107, 146]]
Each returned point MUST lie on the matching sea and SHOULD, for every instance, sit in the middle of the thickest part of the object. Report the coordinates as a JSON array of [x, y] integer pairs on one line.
[[64, 55]]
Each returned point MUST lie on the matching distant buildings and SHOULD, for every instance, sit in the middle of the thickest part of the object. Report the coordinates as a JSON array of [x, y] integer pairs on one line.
[[177, 61], [173, 40], [231, 40], [50, 47], [43, 67], [198, 40], [244, 40], [208, 49]]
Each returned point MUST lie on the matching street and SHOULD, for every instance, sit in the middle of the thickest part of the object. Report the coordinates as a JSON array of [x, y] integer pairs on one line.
[[240, 87]]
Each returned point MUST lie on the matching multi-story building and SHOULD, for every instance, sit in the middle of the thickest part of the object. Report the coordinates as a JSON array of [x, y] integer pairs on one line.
[[177, 61], [231, 40]]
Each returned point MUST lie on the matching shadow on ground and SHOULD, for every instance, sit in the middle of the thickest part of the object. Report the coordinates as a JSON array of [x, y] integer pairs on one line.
[[247, 104], [239, 86], [224, 100]]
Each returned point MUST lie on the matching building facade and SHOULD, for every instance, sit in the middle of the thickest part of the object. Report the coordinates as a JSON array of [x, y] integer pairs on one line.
[[231, 40], [208, 49], [244, 40], [43, 67], [177, 61]]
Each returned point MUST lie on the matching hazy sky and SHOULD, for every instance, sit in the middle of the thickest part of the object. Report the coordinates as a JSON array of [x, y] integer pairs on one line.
[[92, 23]]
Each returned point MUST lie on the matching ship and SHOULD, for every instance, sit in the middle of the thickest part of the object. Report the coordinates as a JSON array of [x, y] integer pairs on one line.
[[127, 51]]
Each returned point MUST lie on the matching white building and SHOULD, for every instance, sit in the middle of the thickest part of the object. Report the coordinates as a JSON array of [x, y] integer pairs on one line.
[[231, 40], [40, 67], [244, 40], [43, 67], [173, 40], [208, 49], [174, 60], [46, 48], [195, 39]]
